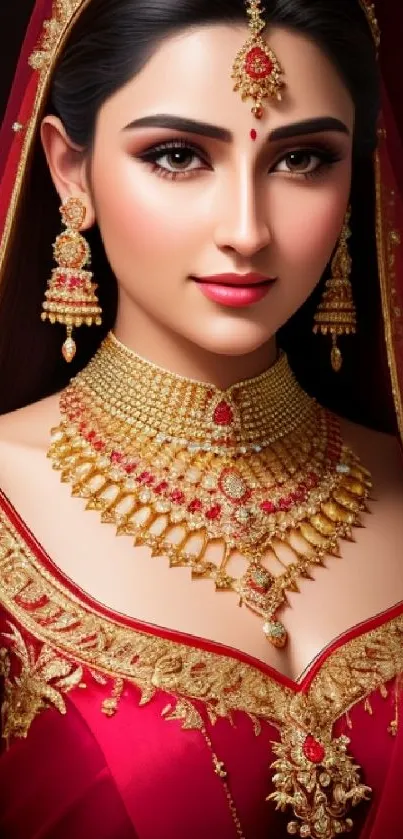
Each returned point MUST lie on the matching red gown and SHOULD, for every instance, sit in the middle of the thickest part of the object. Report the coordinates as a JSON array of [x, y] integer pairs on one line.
[[119, 730]]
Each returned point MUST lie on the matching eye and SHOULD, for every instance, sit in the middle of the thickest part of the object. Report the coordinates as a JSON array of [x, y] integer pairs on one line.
[[307, 162], [174, 159]]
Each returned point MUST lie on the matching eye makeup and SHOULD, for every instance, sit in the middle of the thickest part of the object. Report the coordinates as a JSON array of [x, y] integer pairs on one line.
[[181, 154]]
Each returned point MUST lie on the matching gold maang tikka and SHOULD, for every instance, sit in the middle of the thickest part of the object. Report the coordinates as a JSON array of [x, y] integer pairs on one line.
[[257, 70]]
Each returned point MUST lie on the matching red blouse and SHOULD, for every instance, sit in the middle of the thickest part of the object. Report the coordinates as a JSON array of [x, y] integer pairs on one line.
[[115, 729]]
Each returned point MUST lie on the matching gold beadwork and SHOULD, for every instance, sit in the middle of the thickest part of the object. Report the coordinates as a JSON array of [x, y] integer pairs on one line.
[[257, 71], [318, 779], [336, 314], [248, 471], [70, 297], [369, 9]]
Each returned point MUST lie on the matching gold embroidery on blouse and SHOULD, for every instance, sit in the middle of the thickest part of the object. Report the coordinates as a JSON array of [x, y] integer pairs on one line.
[[313, 772], [57, 618], [42, 679]]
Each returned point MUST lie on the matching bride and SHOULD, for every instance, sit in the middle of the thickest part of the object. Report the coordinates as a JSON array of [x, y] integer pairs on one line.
[[208, 364]]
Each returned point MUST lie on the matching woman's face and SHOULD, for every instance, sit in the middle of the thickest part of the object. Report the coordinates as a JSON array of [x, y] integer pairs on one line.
[[178, 202]]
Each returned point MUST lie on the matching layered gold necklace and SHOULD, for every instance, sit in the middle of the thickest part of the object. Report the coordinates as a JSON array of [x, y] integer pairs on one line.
[[258, 472]]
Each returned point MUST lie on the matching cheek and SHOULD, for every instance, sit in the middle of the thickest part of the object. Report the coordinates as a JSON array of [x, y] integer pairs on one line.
[[308, 226], [141, 216]]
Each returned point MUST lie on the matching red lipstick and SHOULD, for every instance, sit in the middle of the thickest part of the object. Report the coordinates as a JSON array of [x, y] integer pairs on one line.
[[235, 290]]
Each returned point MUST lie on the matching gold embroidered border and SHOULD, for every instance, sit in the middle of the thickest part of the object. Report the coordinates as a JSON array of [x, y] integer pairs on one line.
[[62, 622], [384, 242]]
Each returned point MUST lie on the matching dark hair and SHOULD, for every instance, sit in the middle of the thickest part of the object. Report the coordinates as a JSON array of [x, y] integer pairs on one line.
[[111, 41], [114, 39]]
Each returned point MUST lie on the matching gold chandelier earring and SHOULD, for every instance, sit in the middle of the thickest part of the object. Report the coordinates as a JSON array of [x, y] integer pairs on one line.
[[336, 314], [70, 296]]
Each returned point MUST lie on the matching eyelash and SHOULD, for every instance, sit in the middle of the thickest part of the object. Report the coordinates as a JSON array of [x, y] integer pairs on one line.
[[327, 158]]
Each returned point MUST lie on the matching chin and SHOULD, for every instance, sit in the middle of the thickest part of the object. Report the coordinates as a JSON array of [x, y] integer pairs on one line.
[[236, 338]]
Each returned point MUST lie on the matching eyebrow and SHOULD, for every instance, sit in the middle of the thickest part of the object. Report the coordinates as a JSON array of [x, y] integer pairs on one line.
[[205, 129]]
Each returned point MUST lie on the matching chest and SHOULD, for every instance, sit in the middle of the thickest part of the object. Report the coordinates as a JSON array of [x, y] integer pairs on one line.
[[365, 580]]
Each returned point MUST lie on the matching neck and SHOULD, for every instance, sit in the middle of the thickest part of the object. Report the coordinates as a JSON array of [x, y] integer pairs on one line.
[[178, 355], [123, 387]]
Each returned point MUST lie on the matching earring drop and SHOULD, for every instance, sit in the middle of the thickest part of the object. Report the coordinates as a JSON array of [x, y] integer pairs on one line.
[[70, 298]]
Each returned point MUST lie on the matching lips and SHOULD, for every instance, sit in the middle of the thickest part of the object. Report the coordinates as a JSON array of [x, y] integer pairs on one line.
[[244, 280]]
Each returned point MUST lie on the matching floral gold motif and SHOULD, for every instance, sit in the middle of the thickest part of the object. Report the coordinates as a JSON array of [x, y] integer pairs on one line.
[[319, 781], [41, 681]]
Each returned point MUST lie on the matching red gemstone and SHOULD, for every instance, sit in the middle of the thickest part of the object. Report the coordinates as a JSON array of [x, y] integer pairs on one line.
[[160, 488], [223, 414], [195, 505], [177, 496], [116, 457], [253, 134], [213, 512], [257, 64], [145, 478], [91, 436], [313, 750], [285, 503], [268, 507], [129, 468], [99, 445]]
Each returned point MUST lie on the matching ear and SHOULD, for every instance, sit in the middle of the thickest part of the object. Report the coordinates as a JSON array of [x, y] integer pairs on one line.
[[67, 164]]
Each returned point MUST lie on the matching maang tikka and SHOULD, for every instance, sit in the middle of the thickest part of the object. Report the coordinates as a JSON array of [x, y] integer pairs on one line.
[[257, 70], [70, 297], [336, 314]]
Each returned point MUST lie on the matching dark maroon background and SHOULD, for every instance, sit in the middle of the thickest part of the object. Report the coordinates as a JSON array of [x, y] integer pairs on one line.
[[14, 16]]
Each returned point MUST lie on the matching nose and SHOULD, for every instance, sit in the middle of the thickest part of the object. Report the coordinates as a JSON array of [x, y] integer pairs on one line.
[[242, 222]]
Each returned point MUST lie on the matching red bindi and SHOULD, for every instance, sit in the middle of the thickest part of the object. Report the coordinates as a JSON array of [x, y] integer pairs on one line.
[[253, 134]]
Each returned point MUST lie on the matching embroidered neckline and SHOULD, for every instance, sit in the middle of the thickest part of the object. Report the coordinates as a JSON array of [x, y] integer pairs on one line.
[[61, 641], [26, 570]]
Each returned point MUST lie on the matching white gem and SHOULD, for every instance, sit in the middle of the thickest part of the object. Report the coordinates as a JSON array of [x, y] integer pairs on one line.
[[162, 506], [193, 475], [209, 482], [242, 515], [176, 516], [343, 469], [145, 496]]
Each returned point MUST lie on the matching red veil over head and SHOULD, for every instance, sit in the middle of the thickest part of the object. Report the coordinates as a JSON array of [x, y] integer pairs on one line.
[[49, 27]]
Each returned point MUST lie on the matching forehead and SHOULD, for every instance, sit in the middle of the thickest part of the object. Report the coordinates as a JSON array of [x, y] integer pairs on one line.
[[189, 74]]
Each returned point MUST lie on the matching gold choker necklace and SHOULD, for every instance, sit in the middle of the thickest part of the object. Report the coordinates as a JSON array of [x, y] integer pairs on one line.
[[258, 471]]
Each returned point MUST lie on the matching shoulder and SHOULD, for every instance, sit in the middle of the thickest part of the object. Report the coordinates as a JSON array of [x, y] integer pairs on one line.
[[30, 426], [381, 453], [24, 442]]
